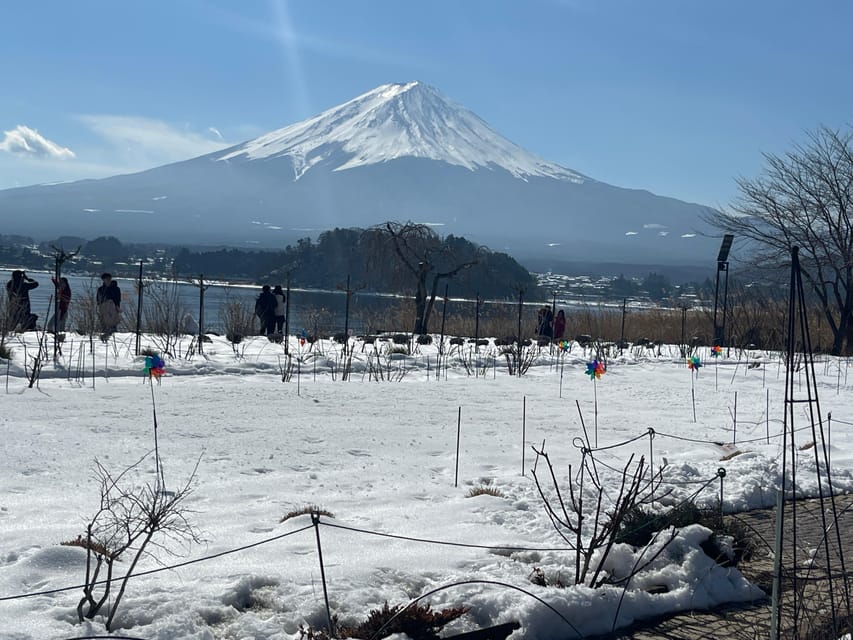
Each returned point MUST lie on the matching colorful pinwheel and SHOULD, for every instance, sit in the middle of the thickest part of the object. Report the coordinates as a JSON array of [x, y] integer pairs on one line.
[[594, 369], [154, 366], [716, 351], [564, 345], [694, 363]]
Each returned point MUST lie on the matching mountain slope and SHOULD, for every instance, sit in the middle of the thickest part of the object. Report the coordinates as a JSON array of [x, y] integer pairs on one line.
[[400, 152], [395, 121]]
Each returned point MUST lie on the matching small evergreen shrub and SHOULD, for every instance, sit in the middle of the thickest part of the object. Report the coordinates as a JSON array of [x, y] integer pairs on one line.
[[640, 525], [731, 542], [418, 622]]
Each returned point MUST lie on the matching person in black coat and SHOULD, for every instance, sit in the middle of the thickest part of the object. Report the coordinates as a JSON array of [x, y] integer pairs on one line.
[[109, 304], [265, 310], [18, 290]]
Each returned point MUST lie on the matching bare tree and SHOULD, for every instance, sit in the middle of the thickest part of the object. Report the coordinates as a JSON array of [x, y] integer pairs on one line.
[[238, 319], [422, 257], [591, 530], [164, 315], [804, 199], [129, 521]]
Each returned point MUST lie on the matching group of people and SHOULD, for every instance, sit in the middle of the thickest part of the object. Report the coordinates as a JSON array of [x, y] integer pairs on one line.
[[19, 310], [270, 309], [550, 326]]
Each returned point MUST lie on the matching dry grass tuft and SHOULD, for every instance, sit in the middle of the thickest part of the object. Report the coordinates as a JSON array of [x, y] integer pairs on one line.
[[485, 490], [305, 511]]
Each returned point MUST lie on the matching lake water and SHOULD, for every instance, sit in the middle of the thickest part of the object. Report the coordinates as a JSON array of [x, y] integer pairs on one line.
[[309, 308], [327, 308]]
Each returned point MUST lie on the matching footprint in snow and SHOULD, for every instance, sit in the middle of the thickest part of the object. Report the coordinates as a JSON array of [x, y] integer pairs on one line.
[[358, 453], [256, 471]]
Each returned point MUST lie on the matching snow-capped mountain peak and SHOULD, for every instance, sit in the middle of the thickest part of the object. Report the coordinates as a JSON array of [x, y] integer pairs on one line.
[[396, 121]]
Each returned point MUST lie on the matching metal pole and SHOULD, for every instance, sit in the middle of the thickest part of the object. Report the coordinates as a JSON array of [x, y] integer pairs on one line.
[[523, 429], [57, 286], [553, 320], [458, 436], [315, 520], [477, 325], [287, 317], [734, 422], [139, 308], [346, 317], [441, 341], [828, 442], [520, 307], [201, 313], [725, 308], [717, 340], [622, 332]]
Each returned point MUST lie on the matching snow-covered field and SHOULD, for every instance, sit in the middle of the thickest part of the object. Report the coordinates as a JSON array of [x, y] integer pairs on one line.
[[381, 456]]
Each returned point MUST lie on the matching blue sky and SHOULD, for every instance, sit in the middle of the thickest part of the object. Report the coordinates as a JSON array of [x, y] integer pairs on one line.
[[678, 97]]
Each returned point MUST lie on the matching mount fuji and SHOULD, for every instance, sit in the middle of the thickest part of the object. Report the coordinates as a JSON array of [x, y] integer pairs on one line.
[[399, 152]]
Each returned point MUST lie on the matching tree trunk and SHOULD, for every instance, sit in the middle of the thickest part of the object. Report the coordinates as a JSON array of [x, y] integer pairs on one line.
[[844, 334], [420, 304], [430, 305]]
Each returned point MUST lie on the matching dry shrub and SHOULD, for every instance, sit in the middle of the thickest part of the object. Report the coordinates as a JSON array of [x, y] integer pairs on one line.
[[485, 490], [238, 319], [307, 510]]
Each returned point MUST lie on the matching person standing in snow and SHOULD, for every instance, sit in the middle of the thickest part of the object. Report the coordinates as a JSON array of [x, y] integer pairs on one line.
[[559, 325], [18, 291], [63, 295], [265, 310], [109, 304], [279, 308]]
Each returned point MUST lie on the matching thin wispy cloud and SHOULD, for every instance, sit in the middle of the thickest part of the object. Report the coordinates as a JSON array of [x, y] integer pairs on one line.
[[147, 141], [216, 133], [311, 42], [29, 142]]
